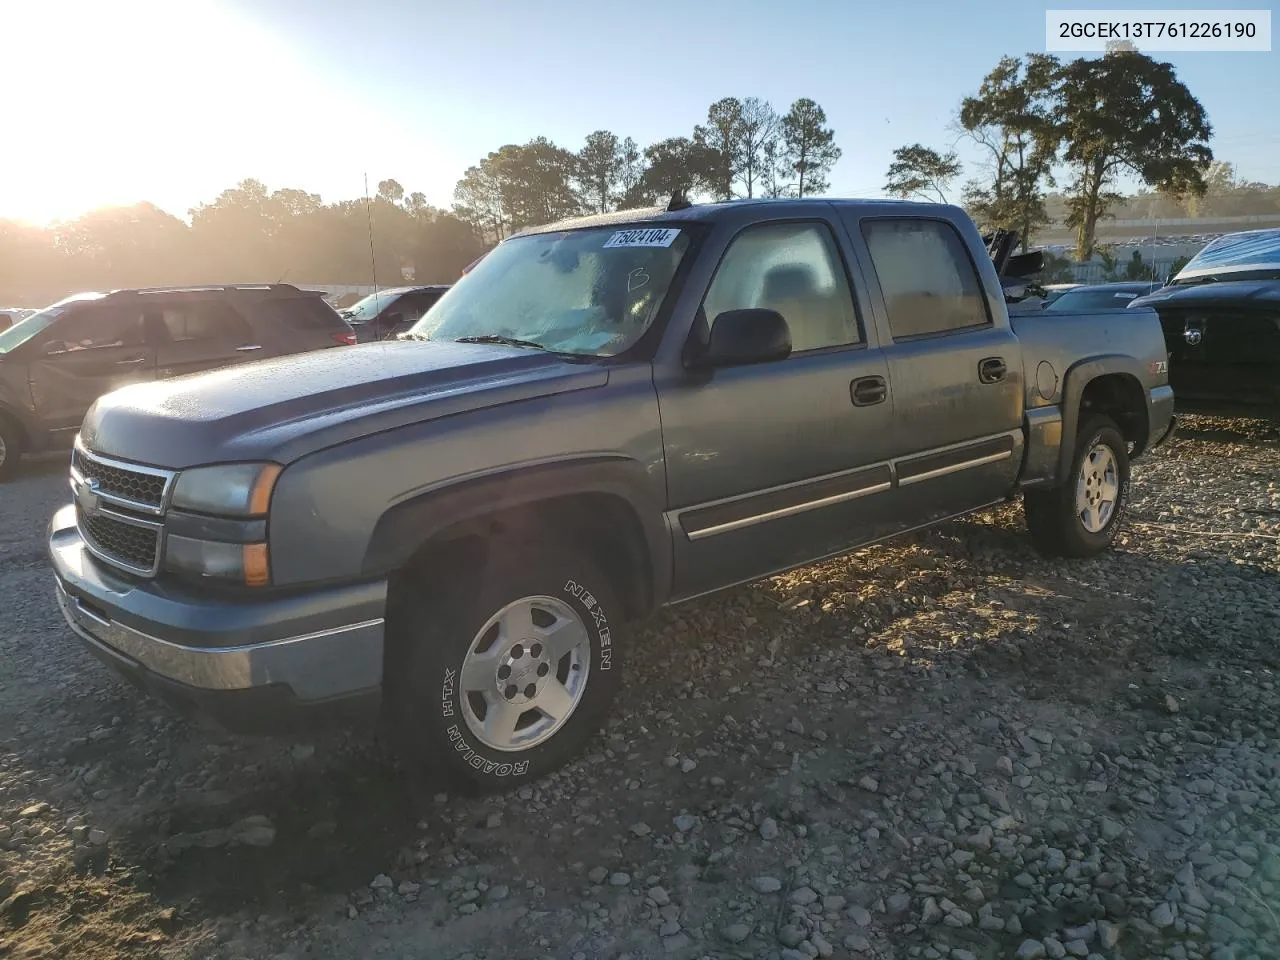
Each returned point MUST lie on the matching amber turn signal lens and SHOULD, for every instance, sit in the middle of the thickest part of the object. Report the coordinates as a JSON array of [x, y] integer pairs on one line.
[[260, 498], [257, 570]]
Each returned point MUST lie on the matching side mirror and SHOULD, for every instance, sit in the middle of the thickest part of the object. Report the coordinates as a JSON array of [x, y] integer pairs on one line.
[[740, 337], [55, 347]]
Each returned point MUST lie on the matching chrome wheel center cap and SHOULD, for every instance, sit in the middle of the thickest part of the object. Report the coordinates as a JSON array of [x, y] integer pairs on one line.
[[522, 672]]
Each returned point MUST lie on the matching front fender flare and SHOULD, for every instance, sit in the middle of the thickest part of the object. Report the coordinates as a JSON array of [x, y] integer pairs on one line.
[[405, 527]]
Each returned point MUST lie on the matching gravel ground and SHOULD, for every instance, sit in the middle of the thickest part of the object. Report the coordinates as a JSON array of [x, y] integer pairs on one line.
[[943, 747]]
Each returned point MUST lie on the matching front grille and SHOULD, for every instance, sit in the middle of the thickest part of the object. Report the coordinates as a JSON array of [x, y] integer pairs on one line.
[[121, 542], [120, 509], [135, 486]]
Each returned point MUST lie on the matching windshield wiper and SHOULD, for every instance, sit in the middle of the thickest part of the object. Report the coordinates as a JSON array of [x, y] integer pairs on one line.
[[498, 338]]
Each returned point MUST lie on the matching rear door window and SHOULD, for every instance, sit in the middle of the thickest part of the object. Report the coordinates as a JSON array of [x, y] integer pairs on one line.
[[928, 279], [207, 320]]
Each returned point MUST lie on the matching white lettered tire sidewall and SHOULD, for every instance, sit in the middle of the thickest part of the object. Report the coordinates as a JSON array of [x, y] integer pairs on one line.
[[444, 620]]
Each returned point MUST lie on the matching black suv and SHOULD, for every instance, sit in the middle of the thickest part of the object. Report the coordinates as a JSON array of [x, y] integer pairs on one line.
[[56, 362], [381, 315]]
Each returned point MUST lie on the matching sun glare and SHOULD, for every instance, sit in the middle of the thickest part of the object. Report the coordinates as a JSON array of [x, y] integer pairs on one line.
[[136, 100]]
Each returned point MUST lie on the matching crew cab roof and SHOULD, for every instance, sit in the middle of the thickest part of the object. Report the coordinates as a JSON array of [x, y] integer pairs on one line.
[[710, 212]]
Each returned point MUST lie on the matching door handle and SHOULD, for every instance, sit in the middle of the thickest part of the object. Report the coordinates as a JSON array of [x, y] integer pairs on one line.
[[126, 363], [992, 370], [249, 346], [868, 391]]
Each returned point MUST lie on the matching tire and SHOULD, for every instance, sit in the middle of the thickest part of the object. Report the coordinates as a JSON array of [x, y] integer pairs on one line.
[[454, 680], [11, 447], [1081, 517]]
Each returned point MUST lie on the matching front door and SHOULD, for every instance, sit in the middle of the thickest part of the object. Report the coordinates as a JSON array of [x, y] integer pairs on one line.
[[200, 335], [774, 464], [957, 374], [95, 350]]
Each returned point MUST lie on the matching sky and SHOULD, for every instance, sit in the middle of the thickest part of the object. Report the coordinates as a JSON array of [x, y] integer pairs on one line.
[[171, 101]]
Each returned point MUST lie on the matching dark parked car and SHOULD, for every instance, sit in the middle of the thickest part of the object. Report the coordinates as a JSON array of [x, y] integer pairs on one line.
[[605, 417], [11, 315], [381, 315], [56, 362], [1100, 296], [1221, 320]]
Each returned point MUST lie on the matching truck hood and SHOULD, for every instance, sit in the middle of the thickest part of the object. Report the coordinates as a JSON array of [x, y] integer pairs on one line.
[[285, 408], [1222, 293]]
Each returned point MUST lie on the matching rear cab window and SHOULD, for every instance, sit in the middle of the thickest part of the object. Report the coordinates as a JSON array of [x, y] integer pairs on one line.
[[927, 277]]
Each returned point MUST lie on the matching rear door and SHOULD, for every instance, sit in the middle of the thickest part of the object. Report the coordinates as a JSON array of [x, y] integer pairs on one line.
[[200, 335], [956, 369], [94, 350]]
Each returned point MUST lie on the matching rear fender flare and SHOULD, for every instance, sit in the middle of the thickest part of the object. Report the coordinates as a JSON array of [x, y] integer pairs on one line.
[[1079, 375]]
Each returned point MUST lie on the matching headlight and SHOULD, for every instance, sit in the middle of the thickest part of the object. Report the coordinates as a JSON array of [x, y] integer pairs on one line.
[[244, 563], [233, 489]]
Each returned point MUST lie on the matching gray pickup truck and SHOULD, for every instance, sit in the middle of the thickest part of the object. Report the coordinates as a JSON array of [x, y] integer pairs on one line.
[[451, 531]]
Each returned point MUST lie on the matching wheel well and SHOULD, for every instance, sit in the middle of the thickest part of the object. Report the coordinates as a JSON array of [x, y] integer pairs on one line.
[[16, 423], [603, 524], [1120, 397]]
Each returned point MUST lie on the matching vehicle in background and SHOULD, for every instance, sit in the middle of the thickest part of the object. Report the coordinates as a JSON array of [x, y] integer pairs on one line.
[[11, 315], [1052, 291], [605, 417], [1221, 320], [1017, 271], [381, 315], [1100, 296], [56, 362]]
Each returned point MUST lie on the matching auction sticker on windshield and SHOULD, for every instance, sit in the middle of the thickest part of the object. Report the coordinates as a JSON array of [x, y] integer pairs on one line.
[[643, 238]]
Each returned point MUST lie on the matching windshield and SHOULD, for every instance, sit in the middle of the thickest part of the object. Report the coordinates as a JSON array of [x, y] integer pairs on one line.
[[1254, 252], [1098, 299], [362, 311], [38, 322], [591, 292]]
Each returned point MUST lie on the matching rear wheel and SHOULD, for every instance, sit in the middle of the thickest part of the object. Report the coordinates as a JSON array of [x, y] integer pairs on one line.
[[1081, 517], [501, 674], [10, 448]]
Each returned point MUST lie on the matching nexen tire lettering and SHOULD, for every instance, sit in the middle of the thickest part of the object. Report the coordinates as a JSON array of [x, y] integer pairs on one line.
[[577, 590], [477, 762]]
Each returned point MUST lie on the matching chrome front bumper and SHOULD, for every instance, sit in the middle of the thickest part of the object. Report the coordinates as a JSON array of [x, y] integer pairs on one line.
[[314, 666], [215, 653]]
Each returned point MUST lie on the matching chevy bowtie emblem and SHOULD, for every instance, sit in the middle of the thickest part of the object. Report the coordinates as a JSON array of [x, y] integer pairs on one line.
[[87, 497]]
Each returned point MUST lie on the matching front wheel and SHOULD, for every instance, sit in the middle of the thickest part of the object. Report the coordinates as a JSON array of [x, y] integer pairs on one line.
[[500, 674], [1081, 517]]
